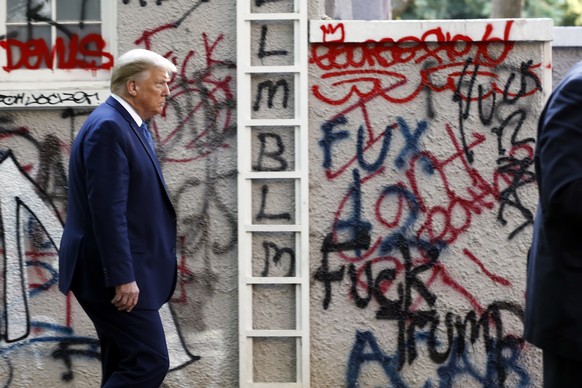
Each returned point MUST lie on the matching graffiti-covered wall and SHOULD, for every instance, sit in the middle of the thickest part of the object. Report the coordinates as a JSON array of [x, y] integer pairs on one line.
[[422, 196], [46, 338], [422, 199]]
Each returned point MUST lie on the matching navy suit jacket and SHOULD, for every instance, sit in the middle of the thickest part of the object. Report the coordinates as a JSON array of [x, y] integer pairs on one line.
[[553, 313], [120, 226]]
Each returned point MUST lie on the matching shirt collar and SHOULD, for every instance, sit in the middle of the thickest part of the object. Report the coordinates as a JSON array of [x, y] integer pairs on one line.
[[129, 109]]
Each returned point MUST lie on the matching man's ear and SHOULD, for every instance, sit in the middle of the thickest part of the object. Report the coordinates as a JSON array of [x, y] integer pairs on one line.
[[131, 87]]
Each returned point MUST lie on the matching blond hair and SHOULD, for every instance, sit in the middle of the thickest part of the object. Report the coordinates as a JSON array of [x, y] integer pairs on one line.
[[133, 64]]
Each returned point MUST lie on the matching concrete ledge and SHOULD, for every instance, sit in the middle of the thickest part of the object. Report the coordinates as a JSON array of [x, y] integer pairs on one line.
[[567, 37], [475, 30]]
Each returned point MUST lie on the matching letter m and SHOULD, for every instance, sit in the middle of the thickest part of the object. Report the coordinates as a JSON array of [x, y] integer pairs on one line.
[[272, 89]]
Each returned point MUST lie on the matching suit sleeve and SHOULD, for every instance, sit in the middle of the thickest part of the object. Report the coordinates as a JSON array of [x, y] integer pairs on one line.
[[107, 177], [568, 201], [561, 145]]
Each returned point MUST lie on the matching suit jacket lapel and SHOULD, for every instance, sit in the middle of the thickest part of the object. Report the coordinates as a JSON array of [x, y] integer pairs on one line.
[[138, 132]]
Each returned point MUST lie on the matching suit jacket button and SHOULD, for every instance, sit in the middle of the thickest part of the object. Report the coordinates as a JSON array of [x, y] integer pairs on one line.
[[174, 250]]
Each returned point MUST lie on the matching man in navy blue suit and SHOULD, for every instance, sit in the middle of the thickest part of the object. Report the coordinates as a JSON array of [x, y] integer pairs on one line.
[[553, 312], [118, 250]]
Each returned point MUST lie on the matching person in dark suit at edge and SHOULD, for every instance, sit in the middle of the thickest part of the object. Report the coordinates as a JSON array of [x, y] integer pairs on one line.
[[118, 249], [553, 311]]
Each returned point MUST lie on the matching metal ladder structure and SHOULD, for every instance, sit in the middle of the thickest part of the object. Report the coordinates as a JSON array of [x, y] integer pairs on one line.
[[283, 73]]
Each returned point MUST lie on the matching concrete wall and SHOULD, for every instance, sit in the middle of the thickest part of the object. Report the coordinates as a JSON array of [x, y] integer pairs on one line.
[[408, 208], [422, 200], [196, 143], [566, 51]]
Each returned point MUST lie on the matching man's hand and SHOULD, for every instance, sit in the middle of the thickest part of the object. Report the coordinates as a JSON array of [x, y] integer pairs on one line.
[[126, 296]]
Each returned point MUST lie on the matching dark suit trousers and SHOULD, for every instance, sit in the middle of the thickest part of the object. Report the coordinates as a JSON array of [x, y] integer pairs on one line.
[[560, 372], [133, 346]]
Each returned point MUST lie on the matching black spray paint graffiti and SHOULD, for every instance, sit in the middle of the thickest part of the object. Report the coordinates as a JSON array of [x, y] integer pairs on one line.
[[32, 99], [205, 136], [395, 273], [215, 139], [271, 157], [144, 3], [20, 201], [263, 43], [199, 238], [23, 199], [260, 3], [272, 88], [199, 224], [33, 250], [71, 114], [519, 170], [266, 154], [263, 214], [39, 201], [80, 347], [463, 334], [51, 176], [33, 11], [202, 102], [197, 130], [68, 348], [10, 35], [413, 322], [278, 254]]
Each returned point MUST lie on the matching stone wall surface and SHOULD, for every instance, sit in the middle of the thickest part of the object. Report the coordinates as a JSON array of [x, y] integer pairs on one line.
[[421, 188], [422, 199], [195, 138]]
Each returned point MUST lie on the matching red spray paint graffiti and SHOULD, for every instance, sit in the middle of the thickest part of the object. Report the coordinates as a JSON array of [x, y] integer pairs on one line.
[[427, 138], [87, 53]]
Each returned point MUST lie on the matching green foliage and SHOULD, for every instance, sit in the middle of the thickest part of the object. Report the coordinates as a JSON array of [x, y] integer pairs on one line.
[[573, 15], [563, 12], [553, 9]]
